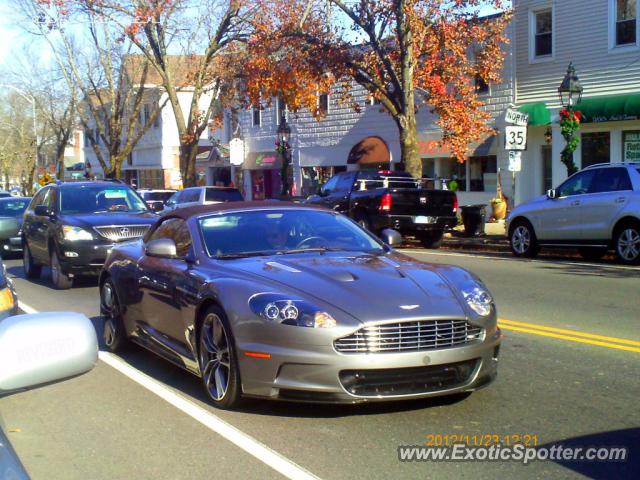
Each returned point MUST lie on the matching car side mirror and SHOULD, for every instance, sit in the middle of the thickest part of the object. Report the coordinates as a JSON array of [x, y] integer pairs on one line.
[[551, 194], [41, 211], [156, 207], [162, 247], [391, 237], [41, 348]]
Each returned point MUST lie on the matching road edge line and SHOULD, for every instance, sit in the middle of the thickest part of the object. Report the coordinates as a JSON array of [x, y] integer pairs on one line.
[[253, 447]]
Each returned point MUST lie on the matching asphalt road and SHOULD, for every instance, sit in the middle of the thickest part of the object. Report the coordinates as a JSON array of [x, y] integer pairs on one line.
[[574, 387]]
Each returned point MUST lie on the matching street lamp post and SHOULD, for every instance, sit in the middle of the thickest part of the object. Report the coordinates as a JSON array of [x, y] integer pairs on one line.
[[284, 148], [31, 99], [570, 93]]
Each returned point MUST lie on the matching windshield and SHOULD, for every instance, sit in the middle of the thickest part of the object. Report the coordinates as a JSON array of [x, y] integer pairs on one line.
[[220, 195], [157, 196], [99, 198], [282, 231], [13, 208]]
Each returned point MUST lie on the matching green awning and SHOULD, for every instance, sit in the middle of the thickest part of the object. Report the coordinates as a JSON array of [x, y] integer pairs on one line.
[[611, 108], [538, 113]]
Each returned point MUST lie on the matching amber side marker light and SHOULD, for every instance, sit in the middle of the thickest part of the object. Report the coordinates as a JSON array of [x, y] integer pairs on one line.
[[257, 354]]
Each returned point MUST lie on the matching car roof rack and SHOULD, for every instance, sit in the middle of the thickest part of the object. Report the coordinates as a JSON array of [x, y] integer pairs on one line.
[[612, 164]]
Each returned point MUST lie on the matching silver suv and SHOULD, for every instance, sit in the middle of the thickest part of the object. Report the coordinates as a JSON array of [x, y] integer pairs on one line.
[[202, 196], [596, 209]]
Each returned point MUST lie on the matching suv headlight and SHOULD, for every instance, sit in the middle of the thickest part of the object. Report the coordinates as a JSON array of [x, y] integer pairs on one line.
[[75, 233], [289, 311], [479, 300]]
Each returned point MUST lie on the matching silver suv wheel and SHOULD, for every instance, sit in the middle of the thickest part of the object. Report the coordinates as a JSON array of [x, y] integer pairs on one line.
[[627, 244]]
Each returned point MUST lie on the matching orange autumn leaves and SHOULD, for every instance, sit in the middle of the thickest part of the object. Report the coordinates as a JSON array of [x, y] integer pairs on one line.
[[426, 52]]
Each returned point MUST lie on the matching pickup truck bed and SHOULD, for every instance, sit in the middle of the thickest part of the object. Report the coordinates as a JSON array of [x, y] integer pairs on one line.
[[381, 200]]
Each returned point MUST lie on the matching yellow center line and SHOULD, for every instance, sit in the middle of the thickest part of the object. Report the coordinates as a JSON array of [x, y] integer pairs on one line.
[[573, 336], [569, 332]]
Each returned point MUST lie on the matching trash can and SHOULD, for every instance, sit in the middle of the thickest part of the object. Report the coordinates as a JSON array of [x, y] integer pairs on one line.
[[474, 218]]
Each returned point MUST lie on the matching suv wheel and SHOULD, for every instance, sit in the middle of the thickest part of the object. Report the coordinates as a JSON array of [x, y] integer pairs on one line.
[[626, 241], [523, 240], [31, 270], [60, 280]]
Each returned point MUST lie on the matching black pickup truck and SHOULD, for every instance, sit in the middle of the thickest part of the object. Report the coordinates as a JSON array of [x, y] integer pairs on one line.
[[386, 199]]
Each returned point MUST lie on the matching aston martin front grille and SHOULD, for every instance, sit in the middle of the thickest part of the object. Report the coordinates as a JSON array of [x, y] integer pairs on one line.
[[412, 336], [121, 233]]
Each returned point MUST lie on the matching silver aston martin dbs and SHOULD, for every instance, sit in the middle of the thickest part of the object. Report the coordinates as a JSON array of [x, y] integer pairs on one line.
[[290, 302]]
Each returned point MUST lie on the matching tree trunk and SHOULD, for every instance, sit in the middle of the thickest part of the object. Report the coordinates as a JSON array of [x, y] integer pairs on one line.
[[409, 145], [60, 166], [188, 153]]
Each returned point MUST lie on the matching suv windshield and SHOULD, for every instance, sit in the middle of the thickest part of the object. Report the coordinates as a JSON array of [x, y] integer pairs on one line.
[[223, 195], [99, 198], [271, 232], [12, 208]]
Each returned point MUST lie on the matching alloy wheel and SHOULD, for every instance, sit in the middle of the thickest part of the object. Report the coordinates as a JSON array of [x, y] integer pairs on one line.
[[214, 356], [629, 244], [521, 239]]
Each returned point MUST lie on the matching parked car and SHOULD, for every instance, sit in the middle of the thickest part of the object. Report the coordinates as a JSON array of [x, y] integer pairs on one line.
[[8, 296], [386, 199], [71, 227], [36, 350], [595, 210], [156, 199], [203, 196], [11, 211], [286, 301]]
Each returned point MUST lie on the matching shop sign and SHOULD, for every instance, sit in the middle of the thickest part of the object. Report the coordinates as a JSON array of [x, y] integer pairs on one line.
[[236, 151], [266, 161], [432, 147], [631, 146]]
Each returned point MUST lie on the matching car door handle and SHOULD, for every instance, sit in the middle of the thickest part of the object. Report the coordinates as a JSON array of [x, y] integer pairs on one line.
[[575, 203], [620, 199]]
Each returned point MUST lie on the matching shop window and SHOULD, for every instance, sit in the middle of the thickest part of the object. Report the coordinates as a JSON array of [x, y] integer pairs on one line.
[[483, 174], [596, 148], [151, 178], [451, 169]]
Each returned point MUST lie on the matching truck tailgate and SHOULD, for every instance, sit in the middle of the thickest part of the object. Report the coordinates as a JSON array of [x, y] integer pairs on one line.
[[422, 202]]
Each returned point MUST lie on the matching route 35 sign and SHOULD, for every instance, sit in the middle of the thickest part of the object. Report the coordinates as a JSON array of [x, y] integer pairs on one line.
[[515, 137]]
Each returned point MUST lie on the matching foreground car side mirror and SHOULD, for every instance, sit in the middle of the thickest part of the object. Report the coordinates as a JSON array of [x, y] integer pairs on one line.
[[551, 194], [162, 247], [391, 237], [41, 348]]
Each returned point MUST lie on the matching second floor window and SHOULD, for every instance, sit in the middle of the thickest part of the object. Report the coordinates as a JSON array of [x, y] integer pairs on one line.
[[147, 113], [481, 85], [625, 22], [323, 103], [256, 116], [543, 38], [281, 110]]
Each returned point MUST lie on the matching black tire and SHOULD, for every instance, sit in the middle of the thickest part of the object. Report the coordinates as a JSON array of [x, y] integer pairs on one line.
[[218, 361], [431, 239], [522, 240], [59, 279], [31, 270], [114, 335], [626, 242], [592, 253]]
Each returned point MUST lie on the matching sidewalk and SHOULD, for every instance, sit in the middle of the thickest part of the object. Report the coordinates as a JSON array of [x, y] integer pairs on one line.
[[493, 240]]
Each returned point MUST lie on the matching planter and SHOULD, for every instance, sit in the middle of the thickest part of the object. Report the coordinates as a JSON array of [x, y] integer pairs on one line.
[[499, 210]]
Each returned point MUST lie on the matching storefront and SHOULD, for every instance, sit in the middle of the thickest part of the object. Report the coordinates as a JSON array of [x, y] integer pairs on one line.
[[262, 174], [609, 132]]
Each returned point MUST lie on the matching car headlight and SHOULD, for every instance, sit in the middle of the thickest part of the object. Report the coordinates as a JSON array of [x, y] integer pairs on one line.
[[75, 233], [290, 311], [479, 300]]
